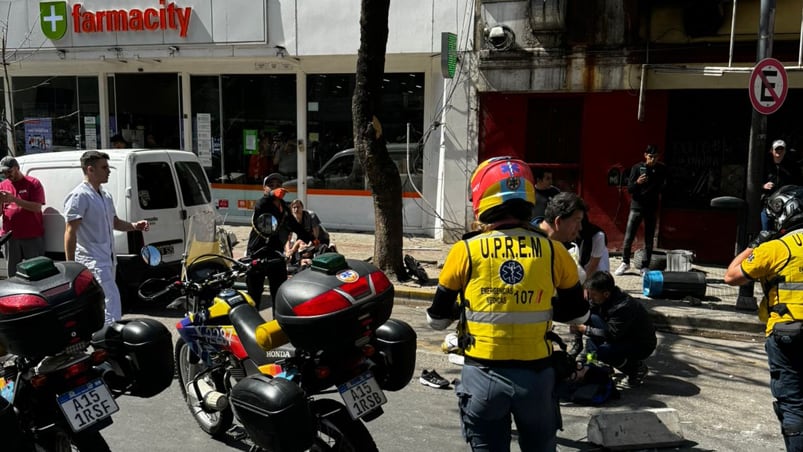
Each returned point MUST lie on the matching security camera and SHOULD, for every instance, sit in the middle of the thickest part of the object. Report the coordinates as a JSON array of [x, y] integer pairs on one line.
[[500, 37]]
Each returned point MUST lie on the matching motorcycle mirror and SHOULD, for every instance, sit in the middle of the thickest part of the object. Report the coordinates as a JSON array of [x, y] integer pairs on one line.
[[151, 255], [266, 224]]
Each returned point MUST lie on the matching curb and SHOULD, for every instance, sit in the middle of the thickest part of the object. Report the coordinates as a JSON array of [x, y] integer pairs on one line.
[[714, 324]]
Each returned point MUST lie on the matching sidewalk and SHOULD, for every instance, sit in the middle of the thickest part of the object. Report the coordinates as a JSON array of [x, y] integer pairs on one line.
[[713, 316]]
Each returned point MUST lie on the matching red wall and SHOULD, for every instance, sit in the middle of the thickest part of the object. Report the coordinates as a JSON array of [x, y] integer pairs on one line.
[[612, 137]]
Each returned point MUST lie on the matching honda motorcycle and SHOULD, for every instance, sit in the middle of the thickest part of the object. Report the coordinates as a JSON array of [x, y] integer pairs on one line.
[[332, 334], [65, 368]]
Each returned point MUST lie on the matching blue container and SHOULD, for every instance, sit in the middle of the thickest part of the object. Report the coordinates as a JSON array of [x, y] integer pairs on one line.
[[658, 284]]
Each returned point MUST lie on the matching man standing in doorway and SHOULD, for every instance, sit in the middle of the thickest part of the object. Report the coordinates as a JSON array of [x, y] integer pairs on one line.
[[91, 222], [782, 171], [544, 191], [22, 198], [647, 180]]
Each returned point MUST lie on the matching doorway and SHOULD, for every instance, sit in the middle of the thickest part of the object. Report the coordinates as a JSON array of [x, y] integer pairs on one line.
[[146, 109]]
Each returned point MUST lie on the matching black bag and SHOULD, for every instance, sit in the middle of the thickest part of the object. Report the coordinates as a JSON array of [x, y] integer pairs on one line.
[[415, 269], [594, 388], [787, 332]]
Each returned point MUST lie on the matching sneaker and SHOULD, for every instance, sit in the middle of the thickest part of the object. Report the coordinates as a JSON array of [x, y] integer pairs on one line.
[[432, 379], [449, 344], [621, 269], [636, 378], [577, 346]]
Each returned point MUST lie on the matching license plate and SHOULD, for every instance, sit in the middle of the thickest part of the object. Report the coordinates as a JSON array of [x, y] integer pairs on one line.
[[166, 250], [88, 404], [362, 395]]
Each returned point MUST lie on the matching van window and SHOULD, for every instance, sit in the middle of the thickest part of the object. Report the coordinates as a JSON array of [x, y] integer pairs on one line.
[[194, 185], [155, 187]]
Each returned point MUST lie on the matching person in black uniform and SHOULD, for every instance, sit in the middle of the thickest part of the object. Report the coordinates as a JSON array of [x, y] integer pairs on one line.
[[647, 181], [272, 203]]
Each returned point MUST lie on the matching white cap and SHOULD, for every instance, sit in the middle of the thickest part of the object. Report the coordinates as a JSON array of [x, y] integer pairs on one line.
[[778, 144]]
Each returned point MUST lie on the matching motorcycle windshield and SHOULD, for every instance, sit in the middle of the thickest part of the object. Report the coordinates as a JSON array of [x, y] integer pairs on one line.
[[205, 238]]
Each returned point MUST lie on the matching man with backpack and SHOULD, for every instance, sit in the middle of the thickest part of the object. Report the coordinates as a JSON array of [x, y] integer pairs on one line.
[[619, 331]]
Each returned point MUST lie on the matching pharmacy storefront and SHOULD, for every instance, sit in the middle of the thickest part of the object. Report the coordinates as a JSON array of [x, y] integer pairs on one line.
[[252, 87]]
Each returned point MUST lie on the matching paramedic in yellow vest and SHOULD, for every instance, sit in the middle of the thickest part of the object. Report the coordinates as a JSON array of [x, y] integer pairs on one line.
[[505, 274], [776, 261]]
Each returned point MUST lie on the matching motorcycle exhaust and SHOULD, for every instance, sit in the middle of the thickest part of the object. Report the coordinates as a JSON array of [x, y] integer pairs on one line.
[[211, 399]]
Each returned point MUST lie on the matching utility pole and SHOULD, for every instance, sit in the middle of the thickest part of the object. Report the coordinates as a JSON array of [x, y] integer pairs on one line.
[[757, 150]]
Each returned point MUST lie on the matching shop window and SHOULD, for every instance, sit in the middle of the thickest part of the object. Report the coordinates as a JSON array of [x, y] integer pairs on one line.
[[331, 159], [54, 113], [206, 135]]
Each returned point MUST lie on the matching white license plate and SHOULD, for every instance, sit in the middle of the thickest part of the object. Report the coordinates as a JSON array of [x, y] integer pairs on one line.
[[166, 250], [88, 404], [362, 395]]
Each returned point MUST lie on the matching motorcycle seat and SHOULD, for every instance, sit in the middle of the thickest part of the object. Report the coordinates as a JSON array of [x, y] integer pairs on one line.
[[246, 321]]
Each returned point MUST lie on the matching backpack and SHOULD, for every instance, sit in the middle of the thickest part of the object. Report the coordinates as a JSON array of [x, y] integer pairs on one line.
[[415, 269], [595, 388]]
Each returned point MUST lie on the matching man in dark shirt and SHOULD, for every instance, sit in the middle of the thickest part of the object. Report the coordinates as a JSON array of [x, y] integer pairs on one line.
[[620, 331], [647, 180], [272, 203], [782, 171], [544, 191]]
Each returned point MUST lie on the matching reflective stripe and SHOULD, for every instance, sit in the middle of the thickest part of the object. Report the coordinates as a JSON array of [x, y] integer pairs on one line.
[[514, 318], [790, 286]]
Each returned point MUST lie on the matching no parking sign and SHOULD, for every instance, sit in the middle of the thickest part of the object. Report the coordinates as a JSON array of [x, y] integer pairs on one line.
[[768, 86]]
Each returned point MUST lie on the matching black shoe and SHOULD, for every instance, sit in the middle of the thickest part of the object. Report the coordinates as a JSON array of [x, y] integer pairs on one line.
[[432, 379], [577, 346], [636, 378]]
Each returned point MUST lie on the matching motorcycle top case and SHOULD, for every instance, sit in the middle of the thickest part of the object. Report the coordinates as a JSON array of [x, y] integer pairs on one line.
[[275, 413], [48, 306], [335, 302]]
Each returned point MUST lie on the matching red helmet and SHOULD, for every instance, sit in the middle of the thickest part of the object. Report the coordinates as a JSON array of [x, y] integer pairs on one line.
[[499, 180]]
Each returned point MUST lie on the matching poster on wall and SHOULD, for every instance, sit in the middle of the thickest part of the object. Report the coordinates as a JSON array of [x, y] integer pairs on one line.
[[249, 141], [38, 135], [203, 125], [90, 132]]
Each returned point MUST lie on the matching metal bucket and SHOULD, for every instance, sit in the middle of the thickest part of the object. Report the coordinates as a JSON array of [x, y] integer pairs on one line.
[[679, 260]]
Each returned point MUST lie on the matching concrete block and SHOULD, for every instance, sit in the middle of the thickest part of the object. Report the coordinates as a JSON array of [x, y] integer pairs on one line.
[[621, 430]]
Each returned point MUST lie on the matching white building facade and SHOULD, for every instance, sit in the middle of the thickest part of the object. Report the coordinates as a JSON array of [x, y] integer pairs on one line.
[[253, 87]]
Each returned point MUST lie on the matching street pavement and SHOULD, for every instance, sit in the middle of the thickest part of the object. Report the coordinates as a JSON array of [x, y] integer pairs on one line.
[[714, 375]]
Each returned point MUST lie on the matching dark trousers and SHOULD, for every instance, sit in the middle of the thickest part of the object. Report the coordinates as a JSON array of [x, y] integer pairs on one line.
[[255, 281], [633, 221], [786, 384], [621, 355]]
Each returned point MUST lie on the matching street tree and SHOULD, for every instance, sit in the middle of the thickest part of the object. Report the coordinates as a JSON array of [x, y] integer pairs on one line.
[[383, 176]]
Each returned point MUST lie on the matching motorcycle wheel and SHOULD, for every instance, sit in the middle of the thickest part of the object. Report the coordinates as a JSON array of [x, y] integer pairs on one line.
[[337, 431], [89, 442], [214, 423], [61, 441]]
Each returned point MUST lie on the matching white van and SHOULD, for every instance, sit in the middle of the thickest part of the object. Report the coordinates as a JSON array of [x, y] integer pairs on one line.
[[165, 187]]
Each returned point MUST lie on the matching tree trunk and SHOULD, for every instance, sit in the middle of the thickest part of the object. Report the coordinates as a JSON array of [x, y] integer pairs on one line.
[[383, 177]]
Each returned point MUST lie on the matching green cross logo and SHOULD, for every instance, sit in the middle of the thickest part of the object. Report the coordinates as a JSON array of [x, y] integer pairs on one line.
[[53, 19]]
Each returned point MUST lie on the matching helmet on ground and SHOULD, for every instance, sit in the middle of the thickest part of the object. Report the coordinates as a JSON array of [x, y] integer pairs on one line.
[[501, 181], [786, 207]]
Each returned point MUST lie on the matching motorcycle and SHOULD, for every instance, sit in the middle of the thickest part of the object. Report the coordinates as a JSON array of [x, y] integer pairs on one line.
[[331, 334], [66, 369]]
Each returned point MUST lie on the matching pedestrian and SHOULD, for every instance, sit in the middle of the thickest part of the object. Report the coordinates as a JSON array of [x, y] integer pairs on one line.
[[593, 244], [563, 217], [118, 142], [775, 261], [505, 274], [312, 224], [22, 197], [619, 331], [91, 220], [272, 247], [782, 171], [544, 190], [647, 181]]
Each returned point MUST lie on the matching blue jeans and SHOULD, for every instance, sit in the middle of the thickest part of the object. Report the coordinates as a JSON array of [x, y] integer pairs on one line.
[[767, 222], [786, 384], [633, 221], [487, 397]]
